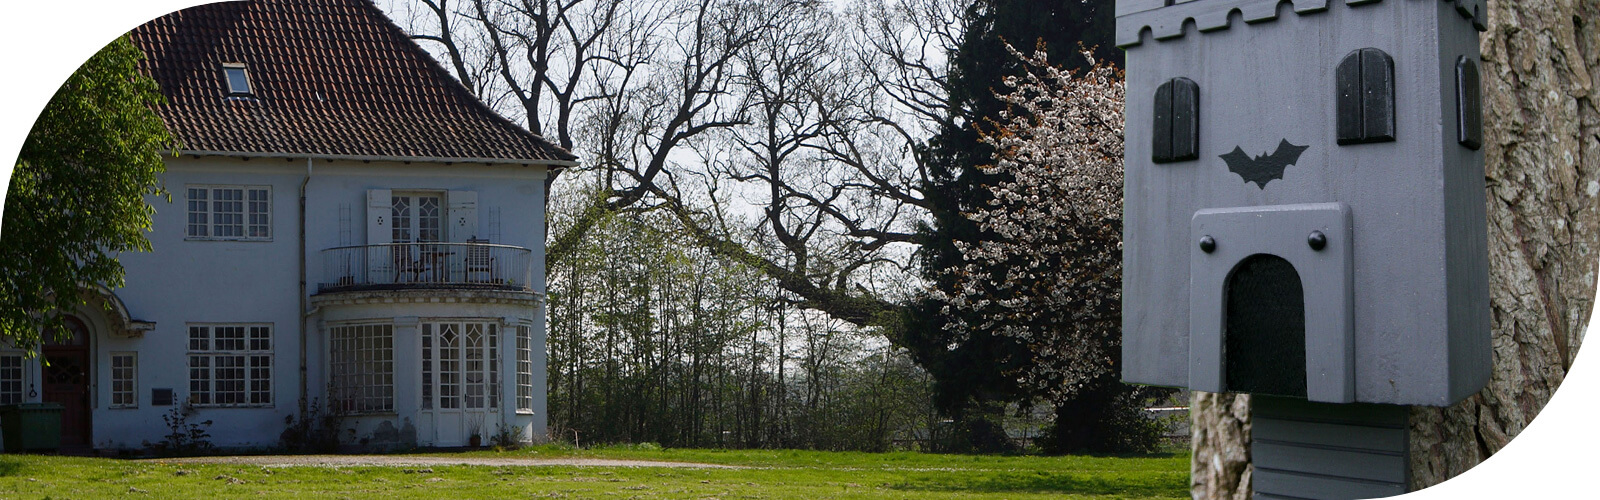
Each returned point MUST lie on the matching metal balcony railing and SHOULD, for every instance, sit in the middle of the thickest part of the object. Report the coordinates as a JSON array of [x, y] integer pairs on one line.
[[394, 266]]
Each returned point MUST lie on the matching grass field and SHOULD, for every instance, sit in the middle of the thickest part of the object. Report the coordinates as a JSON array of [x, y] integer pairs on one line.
[[769, 474]]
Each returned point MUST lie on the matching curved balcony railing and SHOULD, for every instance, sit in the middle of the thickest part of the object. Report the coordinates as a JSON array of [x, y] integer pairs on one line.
[[394, 266]]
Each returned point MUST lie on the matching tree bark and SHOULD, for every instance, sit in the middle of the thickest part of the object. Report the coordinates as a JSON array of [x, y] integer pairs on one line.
[[1541, 59], [1220, 468]]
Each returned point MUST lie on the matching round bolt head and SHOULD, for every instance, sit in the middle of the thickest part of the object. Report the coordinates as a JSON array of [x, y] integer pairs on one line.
[[1317, 240], [1208, 244]]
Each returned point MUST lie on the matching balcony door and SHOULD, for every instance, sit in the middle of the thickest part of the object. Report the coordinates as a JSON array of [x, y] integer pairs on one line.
[[407, 236], [418, 219]]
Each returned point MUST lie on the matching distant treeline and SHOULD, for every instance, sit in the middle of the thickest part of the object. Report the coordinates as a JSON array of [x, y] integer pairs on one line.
[[654, 340]]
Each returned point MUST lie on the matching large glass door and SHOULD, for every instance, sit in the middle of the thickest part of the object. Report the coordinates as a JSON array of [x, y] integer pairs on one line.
[[460, 381]]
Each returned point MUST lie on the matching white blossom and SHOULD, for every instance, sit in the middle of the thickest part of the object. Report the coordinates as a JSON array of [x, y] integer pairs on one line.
[[1052, 278]]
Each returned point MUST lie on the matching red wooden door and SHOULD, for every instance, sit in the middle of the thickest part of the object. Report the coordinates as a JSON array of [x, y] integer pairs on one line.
[[66, 382]]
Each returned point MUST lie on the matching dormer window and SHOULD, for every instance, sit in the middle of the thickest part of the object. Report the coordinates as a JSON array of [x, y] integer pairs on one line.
[[238, 79]]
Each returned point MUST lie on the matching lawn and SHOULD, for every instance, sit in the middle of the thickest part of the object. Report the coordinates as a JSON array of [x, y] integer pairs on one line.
[[769, 474]]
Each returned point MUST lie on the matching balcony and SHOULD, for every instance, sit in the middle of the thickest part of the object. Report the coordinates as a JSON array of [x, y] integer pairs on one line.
[[406, 266]]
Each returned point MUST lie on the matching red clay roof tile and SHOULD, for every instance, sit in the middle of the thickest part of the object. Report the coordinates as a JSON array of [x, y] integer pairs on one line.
[[329, 77]]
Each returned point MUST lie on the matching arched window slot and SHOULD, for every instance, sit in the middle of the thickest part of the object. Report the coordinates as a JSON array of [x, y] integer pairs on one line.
[[1177, 122], [1469, 104], [1366, 97]]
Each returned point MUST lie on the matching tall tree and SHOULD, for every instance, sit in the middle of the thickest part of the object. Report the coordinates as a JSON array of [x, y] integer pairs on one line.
[[751, 125], [978, 369], [77, 195], [1541, 65], [1050, 280]]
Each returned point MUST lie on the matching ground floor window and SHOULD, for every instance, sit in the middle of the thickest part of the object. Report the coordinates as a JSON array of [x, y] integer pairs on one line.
[[124, 376], [230, 365], [10, 378], [460, 365], [363, 368], [524, 368]]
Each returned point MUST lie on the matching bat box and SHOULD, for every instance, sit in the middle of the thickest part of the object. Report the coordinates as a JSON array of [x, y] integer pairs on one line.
[[1305, 199]]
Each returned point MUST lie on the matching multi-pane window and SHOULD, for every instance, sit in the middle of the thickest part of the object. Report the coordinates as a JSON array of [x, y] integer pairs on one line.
[[474, 369], [524, 368], [230, 212], [363, 367], [494, 369], [427, 367], [10, 378], [458, 365], [230, 365], [124, 376], [449, 366], [417, 218]]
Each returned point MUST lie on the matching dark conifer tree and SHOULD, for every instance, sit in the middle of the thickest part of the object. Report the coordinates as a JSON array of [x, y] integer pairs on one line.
[[974, 377]]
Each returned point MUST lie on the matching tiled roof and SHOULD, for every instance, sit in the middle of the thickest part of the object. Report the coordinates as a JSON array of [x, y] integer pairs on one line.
[[331, 78]]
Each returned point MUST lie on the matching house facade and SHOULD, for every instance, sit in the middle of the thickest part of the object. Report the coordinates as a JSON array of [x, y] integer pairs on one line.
[[351, 237]]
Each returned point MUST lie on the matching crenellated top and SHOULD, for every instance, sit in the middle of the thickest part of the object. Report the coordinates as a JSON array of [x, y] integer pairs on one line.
[[1165, 18]]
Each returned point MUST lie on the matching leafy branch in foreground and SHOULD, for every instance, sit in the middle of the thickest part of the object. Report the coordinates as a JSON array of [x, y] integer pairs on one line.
[[77, 196]]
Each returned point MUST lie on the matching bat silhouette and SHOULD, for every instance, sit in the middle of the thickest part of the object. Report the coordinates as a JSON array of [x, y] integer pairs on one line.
[[1263, 169]]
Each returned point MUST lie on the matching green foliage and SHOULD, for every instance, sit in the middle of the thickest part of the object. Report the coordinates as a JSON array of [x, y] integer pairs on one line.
[[761, 474], [315, 432], [77, 196], [1106, 416], [656, 339], [185, 437], [507, 438]]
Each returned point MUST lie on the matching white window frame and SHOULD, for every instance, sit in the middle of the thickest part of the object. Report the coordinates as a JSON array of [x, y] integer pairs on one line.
[[411, 223], [255, 202], [20, 369], [524, 348], [206, 357], [361, 367], [459, 375], [131, 391]]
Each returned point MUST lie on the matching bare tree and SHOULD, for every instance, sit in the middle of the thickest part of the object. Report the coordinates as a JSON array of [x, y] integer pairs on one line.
[[679, 105]]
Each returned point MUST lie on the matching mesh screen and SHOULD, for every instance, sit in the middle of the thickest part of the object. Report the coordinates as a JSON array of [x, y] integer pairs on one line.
[[1266, 328]]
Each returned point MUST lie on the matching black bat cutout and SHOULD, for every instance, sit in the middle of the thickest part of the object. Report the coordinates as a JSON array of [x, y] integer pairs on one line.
[[1263, 169]]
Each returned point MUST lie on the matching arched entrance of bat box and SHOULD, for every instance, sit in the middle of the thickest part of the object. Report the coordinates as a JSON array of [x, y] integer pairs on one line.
[[1265, 332]]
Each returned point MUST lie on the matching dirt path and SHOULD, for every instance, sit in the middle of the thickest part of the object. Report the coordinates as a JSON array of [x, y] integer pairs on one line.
[[416, 461]]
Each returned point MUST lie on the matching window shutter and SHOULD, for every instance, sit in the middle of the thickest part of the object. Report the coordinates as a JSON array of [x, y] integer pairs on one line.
[[1176, 134], [378, 213], [1365, 97], [1469, 104], [463, 216]]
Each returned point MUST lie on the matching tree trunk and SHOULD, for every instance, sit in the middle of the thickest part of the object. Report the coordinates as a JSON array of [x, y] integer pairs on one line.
[[1541, 59]]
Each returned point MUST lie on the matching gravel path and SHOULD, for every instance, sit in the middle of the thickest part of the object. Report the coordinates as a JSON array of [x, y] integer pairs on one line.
[[415, 461]]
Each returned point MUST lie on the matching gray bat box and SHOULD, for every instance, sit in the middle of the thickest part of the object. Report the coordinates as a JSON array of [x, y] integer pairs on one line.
[[1305, 199]]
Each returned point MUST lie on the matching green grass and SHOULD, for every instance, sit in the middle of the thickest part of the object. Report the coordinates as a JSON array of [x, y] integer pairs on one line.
[[772, 474]]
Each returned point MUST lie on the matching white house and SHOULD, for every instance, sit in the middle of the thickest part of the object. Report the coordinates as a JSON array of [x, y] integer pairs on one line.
[[349, 229]]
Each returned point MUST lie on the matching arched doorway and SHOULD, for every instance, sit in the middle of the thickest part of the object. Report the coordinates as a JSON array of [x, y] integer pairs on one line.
[[1265, 346], [66, 382]]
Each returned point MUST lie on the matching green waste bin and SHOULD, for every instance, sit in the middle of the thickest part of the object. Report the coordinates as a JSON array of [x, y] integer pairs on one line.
[[31, 427]]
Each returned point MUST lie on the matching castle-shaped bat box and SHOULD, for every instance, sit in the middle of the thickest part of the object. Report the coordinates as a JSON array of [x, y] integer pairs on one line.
[[1305, 199]]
